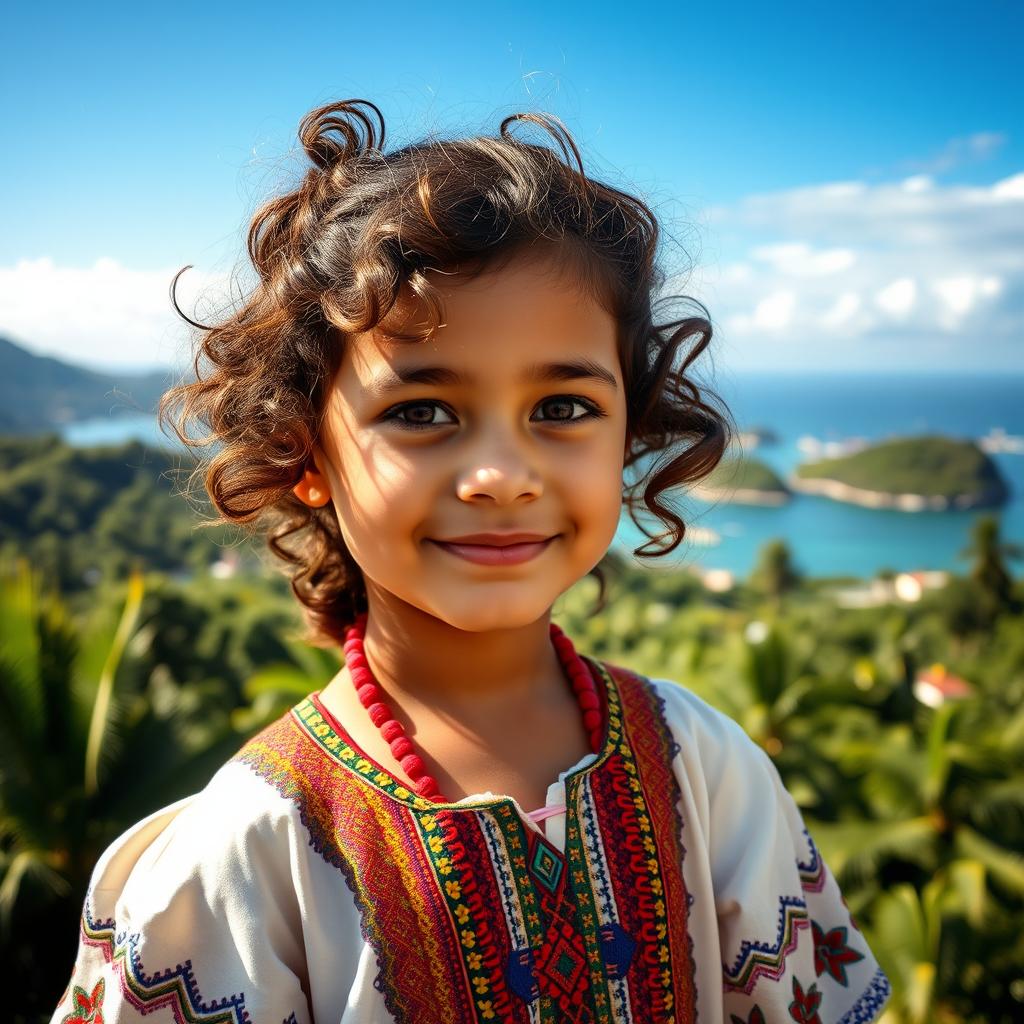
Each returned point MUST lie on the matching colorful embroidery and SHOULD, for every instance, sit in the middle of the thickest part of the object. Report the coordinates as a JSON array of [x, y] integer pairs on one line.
[[804, 1007], [812, 874], [174, 987], [88, 1006], [471, 914], [832, 954], [762, 959]]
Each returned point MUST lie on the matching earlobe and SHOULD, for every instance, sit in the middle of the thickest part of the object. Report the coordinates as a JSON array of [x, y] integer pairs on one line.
[[312, 489]]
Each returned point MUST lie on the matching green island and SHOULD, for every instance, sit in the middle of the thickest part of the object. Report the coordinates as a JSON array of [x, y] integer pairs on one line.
[[912, 474], [743, 481]]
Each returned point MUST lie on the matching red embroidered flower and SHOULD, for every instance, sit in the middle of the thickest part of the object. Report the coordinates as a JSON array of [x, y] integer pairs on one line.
[[832, 954], [756, 1017], [804, 1008], [88, 1008]]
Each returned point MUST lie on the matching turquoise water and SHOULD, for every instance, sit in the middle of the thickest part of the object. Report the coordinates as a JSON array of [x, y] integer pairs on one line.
[[826, 537]]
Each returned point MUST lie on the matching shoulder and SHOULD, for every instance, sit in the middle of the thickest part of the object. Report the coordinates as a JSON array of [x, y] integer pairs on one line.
[[213, 838], [706, 737], [196, 905]]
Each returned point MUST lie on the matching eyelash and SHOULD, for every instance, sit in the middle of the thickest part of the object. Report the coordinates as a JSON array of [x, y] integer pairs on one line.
[[593, 412]]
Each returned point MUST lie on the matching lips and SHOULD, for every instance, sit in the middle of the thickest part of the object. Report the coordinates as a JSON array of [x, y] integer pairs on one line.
[[505, 553], [496, 539]]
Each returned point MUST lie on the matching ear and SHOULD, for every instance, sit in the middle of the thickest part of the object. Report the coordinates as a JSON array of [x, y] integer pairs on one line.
[[313, 489]]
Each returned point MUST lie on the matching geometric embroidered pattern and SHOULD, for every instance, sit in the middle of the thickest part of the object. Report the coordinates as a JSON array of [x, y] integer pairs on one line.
[[762, 959], [174, 987], [546, 865], [472, 915]]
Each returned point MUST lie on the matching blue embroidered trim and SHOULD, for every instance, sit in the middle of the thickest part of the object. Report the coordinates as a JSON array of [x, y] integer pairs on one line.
[[871, 1001], [178, 982]]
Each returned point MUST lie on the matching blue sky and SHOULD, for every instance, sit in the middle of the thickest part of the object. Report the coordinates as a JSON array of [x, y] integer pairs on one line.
[[847, 179]]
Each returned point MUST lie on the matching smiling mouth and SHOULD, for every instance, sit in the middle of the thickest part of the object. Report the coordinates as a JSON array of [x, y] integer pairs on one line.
[[490, 554]]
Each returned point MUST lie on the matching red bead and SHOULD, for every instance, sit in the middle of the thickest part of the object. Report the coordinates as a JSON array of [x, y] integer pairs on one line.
[[588, 699], [369, 693], [402, 746], [427, 787], [591, 719], [413, 766], [392, 730], [379, 714], [595, 741]]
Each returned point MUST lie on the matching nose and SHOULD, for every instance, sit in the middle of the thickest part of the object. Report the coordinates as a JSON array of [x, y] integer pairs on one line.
[[499, 470]]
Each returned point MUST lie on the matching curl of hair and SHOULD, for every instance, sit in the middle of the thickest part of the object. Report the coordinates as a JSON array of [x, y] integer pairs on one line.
[[333, 256]]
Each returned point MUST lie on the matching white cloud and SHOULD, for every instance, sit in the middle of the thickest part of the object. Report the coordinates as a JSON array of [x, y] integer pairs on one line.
[[968, 149], [853, 274], [841, 313], [104, 315], [800, 260], [1009, 189], [897, 299], [959, 295], [918, 183]]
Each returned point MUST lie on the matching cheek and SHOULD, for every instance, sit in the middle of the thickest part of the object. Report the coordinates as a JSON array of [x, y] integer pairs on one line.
[[593, 486], [381, 495]]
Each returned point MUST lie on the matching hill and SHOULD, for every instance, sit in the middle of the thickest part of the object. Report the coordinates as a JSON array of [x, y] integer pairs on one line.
[[39, 393], [911, 474], [743, 481], [81, 513]]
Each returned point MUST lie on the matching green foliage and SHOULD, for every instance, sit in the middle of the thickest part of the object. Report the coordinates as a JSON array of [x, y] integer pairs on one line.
[[136, 696], [80, 514]]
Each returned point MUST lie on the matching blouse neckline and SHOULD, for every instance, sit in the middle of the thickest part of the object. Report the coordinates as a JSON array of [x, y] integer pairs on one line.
[[331, 736]]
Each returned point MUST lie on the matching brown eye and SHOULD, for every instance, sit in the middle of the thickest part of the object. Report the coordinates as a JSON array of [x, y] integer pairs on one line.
[[415, 415], [562, 406]]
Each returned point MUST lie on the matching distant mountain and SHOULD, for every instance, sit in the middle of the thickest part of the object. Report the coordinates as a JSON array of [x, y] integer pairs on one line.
[[40, 393]]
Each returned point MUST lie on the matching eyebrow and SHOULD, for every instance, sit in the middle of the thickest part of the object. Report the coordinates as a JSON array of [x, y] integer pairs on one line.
[[574, 369]]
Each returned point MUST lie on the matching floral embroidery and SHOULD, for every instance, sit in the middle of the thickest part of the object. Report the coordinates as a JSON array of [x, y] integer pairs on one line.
[[832, 954], [804, 1008], [756, 1017], [88, 1007]]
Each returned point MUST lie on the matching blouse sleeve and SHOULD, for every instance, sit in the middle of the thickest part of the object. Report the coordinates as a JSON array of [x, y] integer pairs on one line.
[[790, 949], [191, 915]]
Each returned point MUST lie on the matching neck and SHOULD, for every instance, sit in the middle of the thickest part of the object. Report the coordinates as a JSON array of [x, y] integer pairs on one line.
[[423, 661]]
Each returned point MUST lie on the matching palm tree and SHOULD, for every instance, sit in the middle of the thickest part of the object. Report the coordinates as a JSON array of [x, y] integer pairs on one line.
[[989, 574], [774, 574], [80, 761]]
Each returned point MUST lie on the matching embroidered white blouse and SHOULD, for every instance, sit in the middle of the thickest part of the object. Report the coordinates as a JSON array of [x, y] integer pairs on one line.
[[217, 908]]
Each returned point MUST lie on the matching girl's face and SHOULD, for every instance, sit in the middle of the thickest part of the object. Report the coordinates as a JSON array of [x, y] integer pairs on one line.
[[519, 426]]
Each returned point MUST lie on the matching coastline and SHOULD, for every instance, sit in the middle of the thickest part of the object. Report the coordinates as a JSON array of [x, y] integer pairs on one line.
[[835, 490]]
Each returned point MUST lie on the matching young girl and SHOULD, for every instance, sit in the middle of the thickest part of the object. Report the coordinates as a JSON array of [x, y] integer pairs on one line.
[[431, 397]]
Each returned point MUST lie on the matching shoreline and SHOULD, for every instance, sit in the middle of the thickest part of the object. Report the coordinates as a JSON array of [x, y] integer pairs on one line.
[[835, 490], [741, 495]]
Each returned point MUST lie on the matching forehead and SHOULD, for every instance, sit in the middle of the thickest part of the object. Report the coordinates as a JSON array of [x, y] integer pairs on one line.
[[528, 308]]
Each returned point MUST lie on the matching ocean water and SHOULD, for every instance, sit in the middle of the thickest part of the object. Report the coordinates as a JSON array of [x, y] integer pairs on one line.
[[825, 537]]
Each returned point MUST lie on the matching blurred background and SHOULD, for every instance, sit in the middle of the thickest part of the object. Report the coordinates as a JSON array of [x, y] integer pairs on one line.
[[842, 188]]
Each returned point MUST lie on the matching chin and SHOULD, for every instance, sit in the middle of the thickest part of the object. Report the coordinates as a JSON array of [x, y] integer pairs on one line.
[[494, 614]]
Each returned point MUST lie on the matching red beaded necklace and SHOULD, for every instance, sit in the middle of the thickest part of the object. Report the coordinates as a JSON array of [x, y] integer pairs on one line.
[[371, 696]]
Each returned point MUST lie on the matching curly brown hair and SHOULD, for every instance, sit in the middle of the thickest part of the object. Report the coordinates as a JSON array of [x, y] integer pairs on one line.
[[333, 257]]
